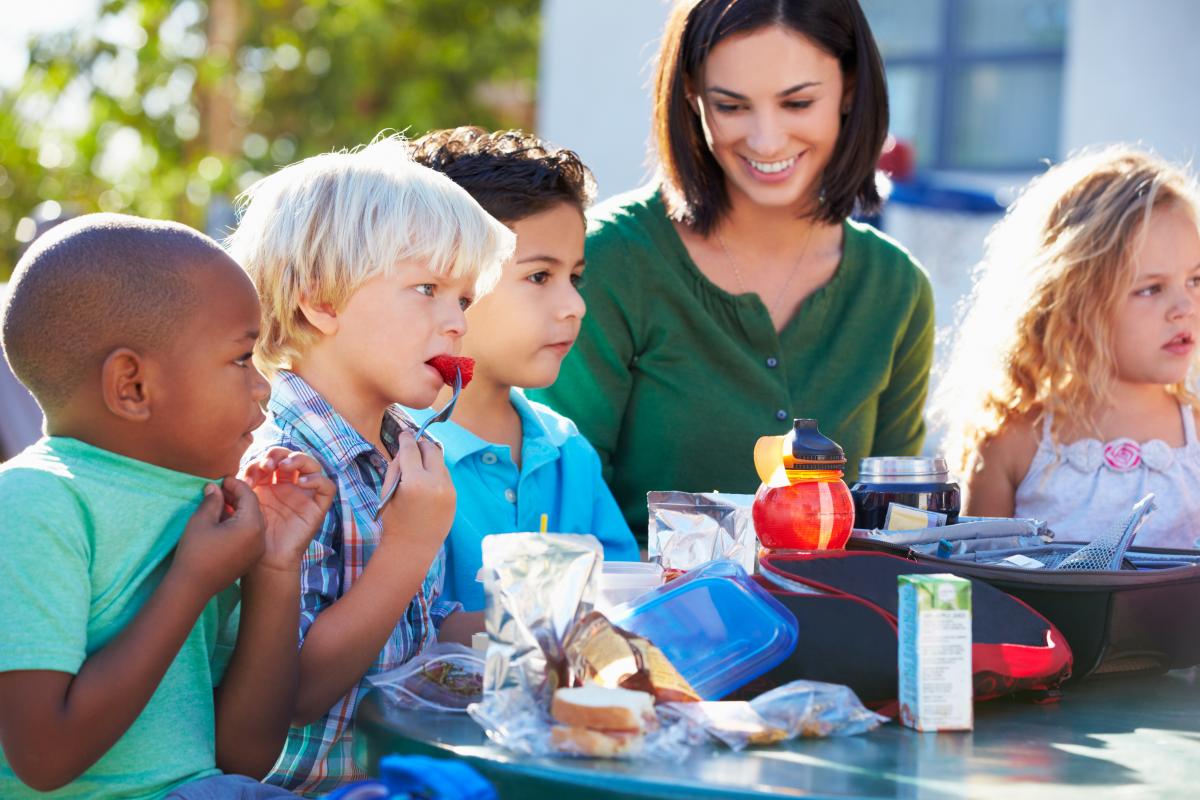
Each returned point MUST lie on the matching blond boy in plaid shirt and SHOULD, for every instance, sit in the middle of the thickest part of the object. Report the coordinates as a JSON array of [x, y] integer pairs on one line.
[[365, 262]]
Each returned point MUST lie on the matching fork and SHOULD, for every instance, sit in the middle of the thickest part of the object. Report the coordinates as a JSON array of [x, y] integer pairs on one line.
[[440, 416]]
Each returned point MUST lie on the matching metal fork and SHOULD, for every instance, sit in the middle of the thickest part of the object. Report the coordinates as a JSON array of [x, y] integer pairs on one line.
[[440, 416]]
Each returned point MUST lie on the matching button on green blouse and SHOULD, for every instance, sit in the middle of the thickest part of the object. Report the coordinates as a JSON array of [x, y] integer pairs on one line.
[[673, 378]]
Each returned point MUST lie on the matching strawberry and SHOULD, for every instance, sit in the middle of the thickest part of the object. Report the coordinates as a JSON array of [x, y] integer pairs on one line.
[[446, 365]]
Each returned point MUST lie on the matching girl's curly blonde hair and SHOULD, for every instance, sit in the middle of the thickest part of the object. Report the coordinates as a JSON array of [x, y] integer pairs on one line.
[[1036, 334]]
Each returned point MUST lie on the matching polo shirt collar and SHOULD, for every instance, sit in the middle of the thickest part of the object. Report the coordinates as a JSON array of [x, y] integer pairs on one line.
[[459, 442]]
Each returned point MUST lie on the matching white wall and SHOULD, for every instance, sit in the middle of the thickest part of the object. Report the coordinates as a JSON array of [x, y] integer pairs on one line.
[[592, 91], [1131, 73]]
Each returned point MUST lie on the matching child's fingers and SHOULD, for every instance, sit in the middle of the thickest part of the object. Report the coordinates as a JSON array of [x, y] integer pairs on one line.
[[267, 463], [276, 455], [255, 474], [408, 454], [211, 504], [240, 498], [321, 487], [300, 464], [432, 457]]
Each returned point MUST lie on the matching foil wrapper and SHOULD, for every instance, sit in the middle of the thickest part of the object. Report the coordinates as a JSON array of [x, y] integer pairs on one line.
[[540, 589], [687, 530], [536, 586]]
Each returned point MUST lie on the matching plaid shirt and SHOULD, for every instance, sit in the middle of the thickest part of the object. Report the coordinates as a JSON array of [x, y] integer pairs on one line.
[[318, 757]]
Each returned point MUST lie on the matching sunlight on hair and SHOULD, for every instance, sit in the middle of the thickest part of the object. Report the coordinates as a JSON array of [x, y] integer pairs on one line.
[[1035, 333]]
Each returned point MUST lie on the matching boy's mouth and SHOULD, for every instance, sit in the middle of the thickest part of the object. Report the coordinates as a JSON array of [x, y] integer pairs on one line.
[[261, 418], [1181, 345]]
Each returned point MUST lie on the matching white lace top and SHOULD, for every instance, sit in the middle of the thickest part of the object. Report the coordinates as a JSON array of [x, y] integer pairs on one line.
[[1091, 484]]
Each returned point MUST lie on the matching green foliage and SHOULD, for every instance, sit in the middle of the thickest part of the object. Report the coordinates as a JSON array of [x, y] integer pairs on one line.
[[145, 112]]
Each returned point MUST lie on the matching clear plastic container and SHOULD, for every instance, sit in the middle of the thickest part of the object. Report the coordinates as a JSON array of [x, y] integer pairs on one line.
[[624, 581], [718, 627]]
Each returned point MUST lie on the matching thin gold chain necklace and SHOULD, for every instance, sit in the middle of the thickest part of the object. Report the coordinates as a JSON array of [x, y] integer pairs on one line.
[[737, 273]]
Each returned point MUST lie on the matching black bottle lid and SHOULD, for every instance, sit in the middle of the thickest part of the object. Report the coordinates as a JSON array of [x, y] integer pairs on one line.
[[811, 448]]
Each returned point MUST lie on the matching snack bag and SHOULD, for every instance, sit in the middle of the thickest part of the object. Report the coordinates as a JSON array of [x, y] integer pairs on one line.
[[536, 586], [444, 677]]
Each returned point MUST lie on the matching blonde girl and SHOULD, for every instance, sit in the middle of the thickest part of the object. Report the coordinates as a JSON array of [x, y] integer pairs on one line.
[[1067, 395]]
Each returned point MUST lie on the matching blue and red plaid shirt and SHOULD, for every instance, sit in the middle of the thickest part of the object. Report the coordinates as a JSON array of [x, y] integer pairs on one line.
[[319, 757]]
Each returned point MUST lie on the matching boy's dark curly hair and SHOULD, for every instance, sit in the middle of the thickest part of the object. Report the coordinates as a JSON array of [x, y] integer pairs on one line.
[[512, 174]]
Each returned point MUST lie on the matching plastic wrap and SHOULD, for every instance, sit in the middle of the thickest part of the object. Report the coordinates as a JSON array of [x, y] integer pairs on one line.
[[799, 708], [514, 720], [444, 677]]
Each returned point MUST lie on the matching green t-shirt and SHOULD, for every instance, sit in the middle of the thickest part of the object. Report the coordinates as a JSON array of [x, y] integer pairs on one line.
[[673, 379], [88, 536]]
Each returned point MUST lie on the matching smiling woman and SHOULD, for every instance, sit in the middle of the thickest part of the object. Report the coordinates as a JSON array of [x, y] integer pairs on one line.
[[735, 293]]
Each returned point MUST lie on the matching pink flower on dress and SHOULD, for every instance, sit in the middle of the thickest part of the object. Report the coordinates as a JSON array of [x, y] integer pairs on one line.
[[1123, 454]]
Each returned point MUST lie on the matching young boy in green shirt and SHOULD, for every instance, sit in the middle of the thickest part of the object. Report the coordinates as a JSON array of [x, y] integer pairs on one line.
[[125, 534]]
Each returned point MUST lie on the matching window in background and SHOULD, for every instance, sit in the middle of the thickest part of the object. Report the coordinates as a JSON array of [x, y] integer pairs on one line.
[[974, 84]]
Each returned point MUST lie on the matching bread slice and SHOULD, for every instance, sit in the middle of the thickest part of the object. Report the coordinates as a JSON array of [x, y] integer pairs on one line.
[[604, 709], [597, 744]]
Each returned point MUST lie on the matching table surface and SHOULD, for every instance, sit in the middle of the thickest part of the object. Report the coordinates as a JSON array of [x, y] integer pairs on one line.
[[1113, 737]]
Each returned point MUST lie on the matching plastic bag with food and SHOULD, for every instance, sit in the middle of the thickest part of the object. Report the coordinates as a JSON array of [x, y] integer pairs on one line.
[[444, 677], [545, 640], [799, 708]]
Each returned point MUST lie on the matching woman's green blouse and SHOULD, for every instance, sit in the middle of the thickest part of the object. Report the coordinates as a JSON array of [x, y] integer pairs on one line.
[[673, 379]]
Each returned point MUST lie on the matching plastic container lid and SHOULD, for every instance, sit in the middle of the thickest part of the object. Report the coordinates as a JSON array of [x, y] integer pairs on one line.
[[718, 627], [811, 448], [625, 581], [630, 573], [903, 469]]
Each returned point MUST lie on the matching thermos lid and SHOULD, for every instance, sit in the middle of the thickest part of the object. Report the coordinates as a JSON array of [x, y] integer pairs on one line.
[[812, 448], [903, 467]]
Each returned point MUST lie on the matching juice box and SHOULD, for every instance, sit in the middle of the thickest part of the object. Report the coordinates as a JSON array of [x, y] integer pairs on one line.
[[935, 653]]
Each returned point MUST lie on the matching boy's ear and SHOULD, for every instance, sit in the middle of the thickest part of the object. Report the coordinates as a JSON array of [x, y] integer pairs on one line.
[[123, 385], [322, 316]]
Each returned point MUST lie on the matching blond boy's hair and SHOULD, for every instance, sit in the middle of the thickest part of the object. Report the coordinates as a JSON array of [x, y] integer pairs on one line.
[[1037, 335], [318, 229]]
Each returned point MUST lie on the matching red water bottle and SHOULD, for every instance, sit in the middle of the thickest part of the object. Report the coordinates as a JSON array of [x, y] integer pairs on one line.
[[805, 505]]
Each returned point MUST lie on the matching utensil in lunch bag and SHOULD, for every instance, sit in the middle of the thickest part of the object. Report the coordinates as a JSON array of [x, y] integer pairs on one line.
[[1107, 551], [440, 416]]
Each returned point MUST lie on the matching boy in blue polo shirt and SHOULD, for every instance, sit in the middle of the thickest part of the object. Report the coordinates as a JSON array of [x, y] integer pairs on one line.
[[512, 459]]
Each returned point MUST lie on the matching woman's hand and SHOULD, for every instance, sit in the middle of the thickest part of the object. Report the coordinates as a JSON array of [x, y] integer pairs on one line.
[[295, 496]]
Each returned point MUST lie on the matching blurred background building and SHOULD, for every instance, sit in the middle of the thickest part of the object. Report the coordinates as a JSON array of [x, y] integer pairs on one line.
[[169, 108]]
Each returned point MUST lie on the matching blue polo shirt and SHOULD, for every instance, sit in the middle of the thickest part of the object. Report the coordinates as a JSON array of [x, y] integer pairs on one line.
[[559, 476]]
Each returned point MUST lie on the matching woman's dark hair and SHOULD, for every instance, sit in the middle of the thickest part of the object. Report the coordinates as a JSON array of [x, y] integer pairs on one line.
[[693, 181], [512, 174]]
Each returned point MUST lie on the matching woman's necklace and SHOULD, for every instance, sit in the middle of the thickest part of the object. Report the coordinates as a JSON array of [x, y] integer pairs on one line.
[[737, 273]]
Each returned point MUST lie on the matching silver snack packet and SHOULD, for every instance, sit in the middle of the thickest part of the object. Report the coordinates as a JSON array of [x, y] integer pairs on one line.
[[687, 530], [536, 587]]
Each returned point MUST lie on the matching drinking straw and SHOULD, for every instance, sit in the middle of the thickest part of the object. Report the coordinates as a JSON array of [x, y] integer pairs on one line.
[[545, 521]]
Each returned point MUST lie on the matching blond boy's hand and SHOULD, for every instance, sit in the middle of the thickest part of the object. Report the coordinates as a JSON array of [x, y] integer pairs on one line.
[[295, 496], [422, 509], [223, 539]]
